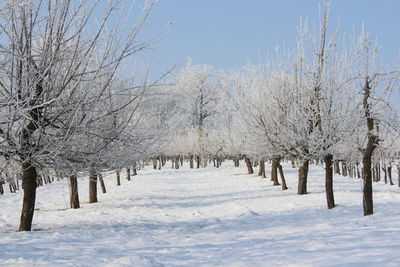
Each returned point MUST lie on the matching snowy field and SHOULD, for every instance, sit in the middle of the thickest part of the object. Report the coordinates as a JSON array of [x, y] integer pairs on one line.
[[208, 217]]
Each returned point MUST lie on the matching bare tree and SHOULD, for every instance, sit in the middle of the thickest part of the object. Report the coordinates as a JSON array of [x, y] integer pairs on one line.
[[373, 83]]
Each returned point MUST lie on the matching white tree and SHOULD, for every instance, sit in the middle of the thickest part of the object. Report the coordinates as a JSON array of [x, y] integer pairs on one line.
[[56, 67], [197, 87]]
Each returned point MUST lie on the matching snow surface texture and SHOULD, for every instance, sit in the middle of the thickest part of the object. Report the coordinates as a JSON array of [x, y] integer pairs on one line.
[[206, 217]]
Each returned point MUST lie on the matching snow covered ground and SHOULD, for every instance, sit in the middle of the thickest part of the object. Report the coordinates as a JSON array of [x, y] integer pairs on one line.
[[207, 217]]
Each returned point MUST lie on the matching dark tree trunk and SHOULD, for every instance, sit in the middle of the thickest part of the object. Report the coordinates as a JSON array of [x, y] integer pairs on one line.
[[261, 169], [303, 173], [134, 172], [398, 175], [74, 195], [28, 204], [373, 174], [219, 162], [198, 161], [367, 188], [154, 160], [191, 161], [176, 162], [118, 177], [337, 167], [284, 187], [128, 174], [248, 165], [378, 167], [358, 170], [351, 171], [274, 169], [329, 181], [389, 173], [92, 186], [17, 182], [159, 163], [103, 186]]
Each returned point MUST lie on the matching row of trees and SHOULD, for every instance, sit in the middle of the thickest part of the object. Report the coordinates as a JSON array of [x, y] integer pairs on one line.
[[324, 100], [70, 101]]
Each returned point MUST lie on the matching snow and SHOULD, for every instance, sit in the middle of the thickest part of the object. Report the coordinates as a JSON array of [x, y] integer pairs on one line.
[[206, 217]]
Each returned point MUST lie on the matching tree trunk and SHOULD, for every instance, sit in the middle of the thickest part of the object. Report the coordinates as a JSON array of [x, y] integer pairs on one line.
[[191, 161], [261, 169], [74, 195], [344, 168], [398, 175], [118, 177], [198, 161], [284, 187], [17, 182], [248, 165], [10, 184], [219, 161], [274, 169], [329, 181], [351, 171], [303, 173], [176, 162], [202, 146], [103, 186], [28, 204], [384, 174], [237, 162], [337, 167], [378, 167], [154, 160], [159, 162], [367, 187], [128, 174], [389, 172], [92, 186]]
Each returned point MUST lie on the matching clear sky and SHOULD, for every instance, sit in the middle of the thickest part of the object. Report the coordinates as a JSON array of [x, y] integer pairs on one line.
[[226, 33]]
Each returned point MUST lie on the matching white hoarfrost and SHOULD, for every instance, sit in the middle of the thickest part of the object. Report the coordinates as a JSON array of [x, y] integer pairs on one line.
[[211, 217]]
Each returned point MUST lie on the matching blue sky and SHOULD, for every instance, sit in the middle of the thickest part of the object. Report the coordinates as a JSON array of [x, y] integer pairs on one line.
[[226, 33]]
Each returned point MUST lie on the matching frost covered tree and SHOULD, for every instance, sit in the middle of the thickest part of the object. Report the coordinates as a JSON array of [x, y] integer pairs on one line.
[[197, 88], [373, 82], [328, 115], [56, 66]]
